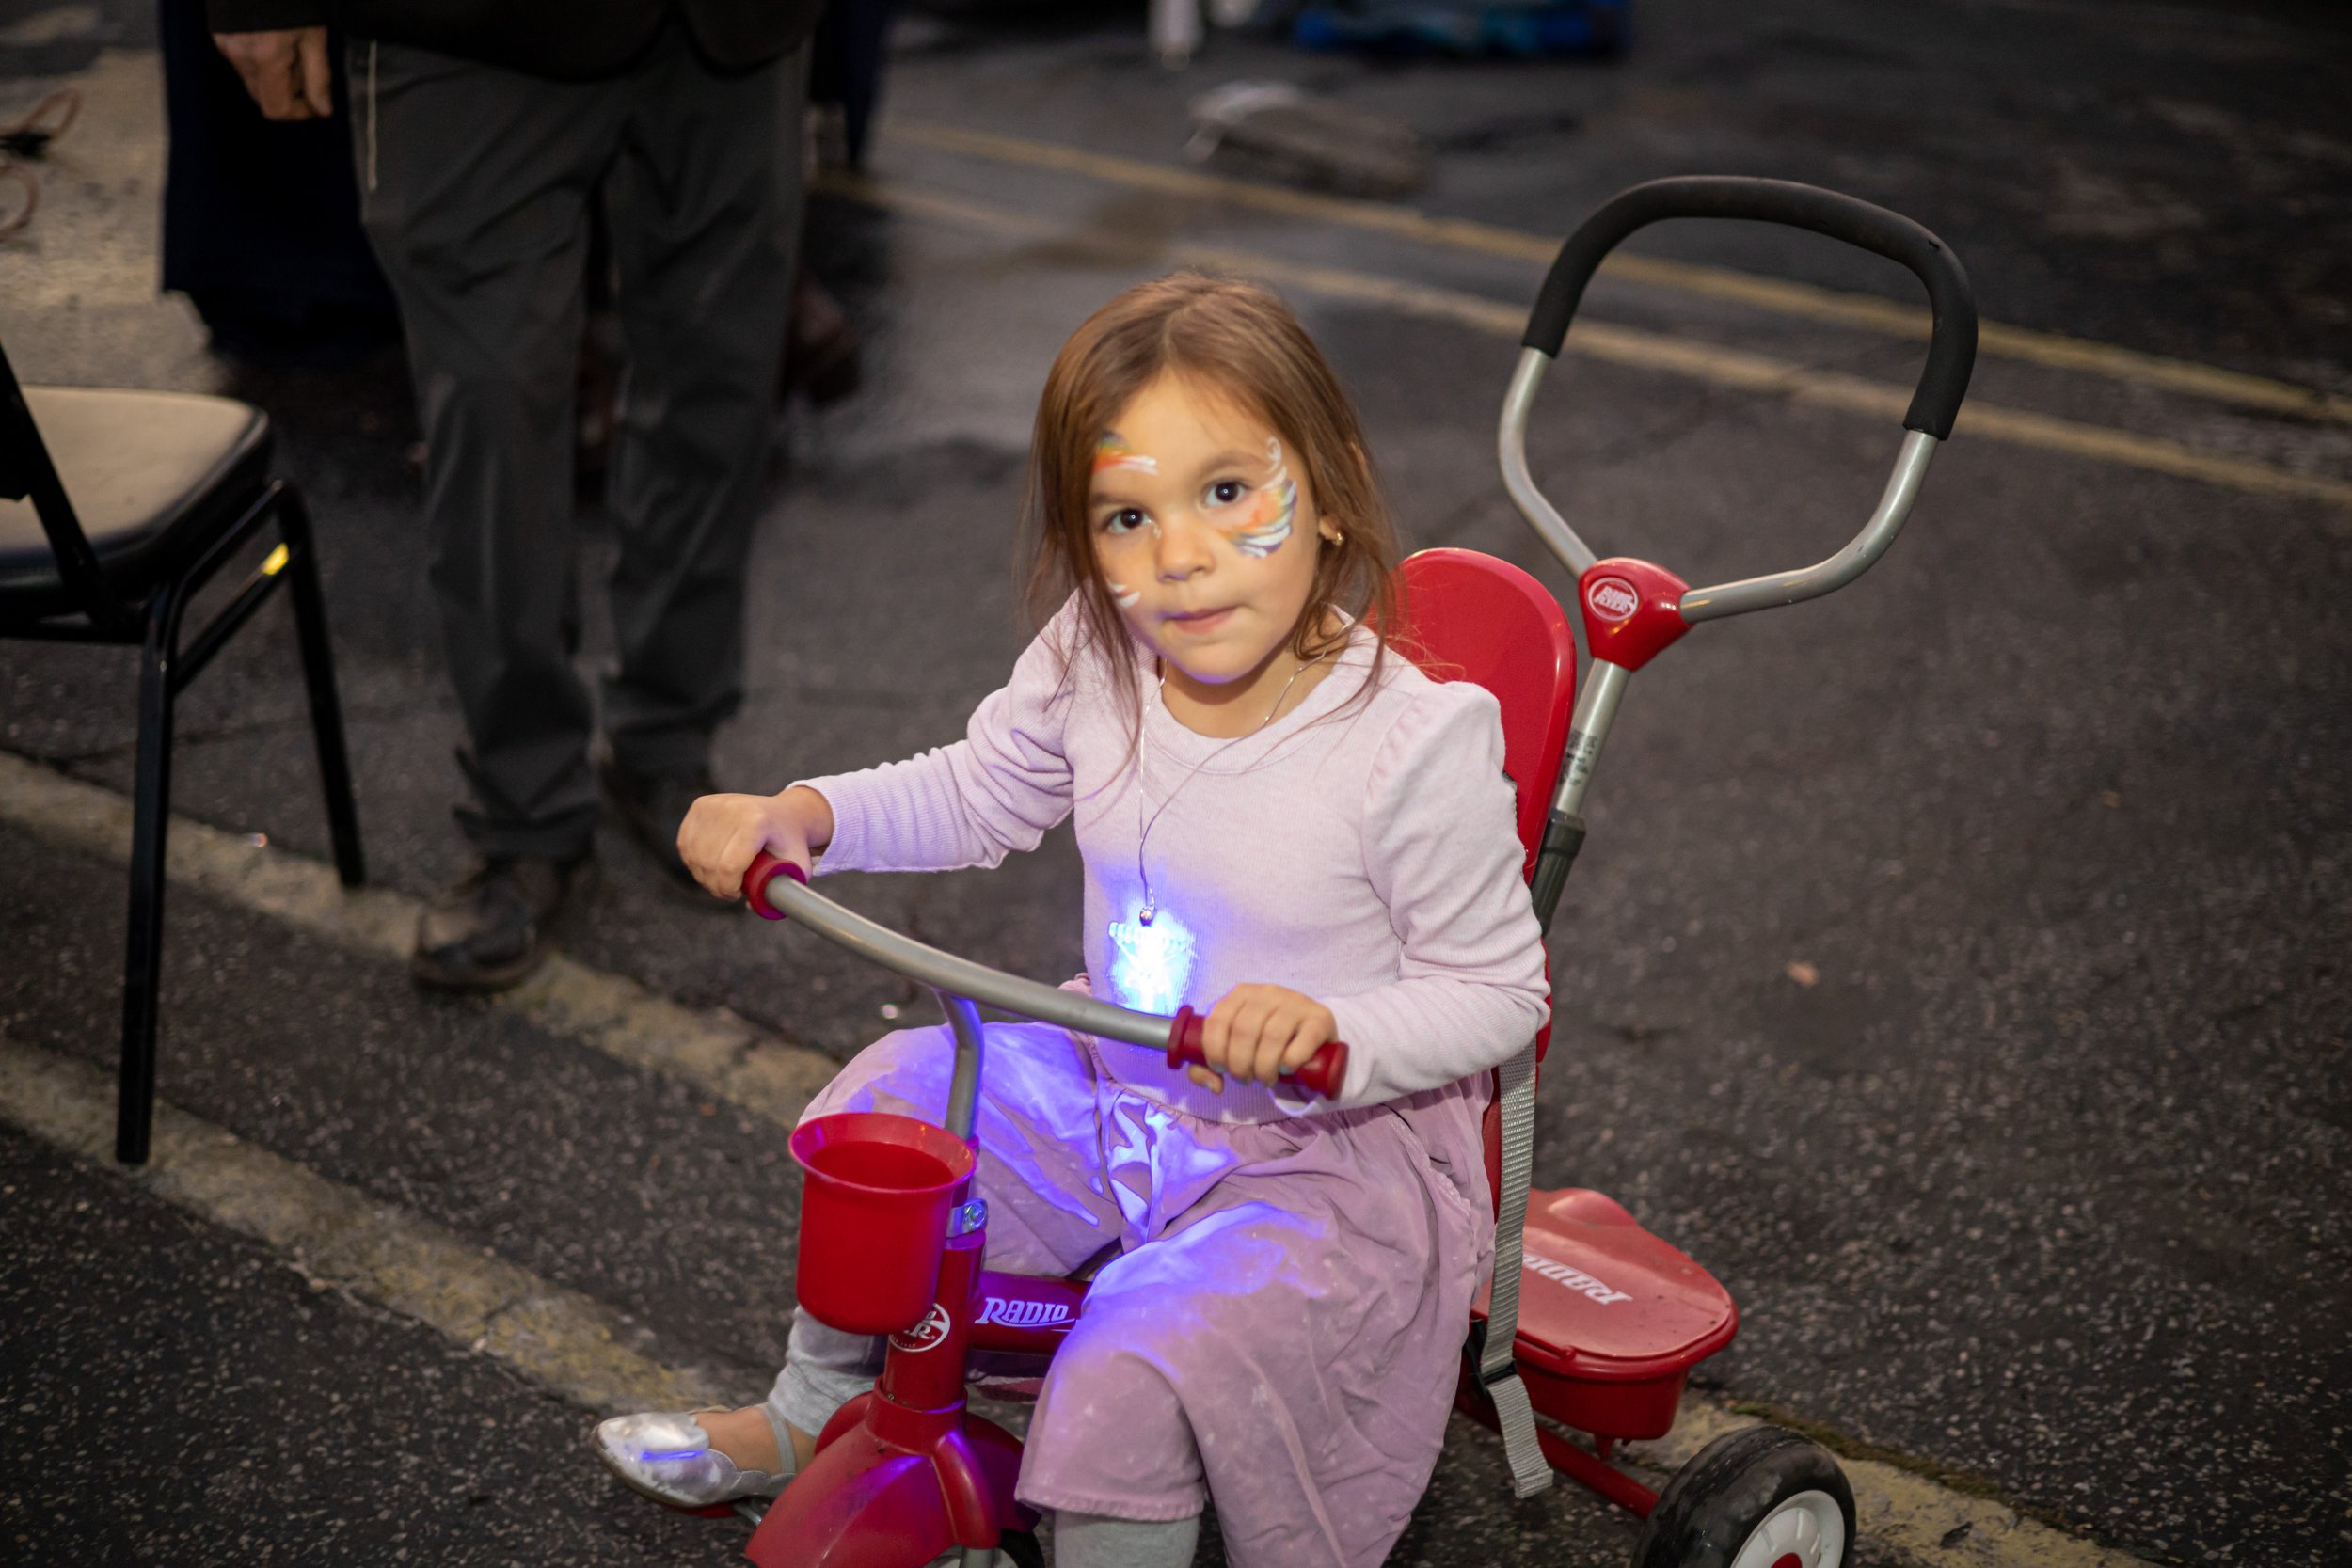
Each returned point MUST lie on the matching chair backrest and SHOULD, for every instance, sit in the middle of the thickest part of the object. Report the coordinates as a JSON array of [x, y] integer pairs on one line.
[[26, 472], [1472, 617]]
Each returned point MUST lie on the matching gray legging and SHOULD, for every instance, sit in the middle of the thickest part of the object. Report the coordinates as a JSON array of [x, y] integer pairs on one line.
[[1091, 1540], [826, 1369]]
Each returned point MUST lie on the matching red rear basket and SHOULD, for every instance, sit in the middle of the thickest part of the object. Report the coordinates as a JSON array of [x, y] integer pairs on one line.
[[1612, 1320]]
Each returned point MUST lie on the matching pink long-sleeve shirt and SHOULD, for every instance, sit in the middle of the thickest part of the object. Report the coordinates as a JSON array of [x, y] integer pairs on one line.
[[1359, 849]]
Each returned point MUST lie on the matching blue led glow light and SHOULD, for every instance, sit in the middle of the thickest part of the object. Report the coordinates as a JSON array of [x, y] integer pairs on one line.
[[655, 1456], [1150, 963]]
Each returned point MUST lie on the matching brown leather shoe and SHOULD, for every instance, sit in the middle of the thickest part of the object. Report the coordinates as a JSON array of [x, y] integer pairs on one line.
[[820, 346], [489, 930]]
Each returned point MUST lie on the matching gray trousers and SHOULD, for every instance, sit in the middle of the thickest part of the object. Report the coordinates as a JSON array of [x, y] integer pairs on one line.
[[476, 186]]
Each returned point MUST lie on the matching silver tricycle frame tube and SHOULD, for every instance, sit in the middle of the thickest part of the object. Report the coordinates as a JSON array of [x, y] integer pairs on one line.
[[1604, 687], [1731, 598], [1943, 382]]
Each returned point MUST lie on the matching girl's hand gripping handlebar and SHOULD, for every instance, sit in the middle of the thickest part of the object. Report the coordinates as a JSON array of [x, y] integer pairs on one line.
[[1321, 1073], [1180, 1037]]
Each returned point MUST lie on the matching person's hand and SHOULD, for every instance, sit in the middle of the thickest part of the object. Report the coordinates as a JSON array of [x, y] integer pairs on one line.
[[723, 834], [1260, 1033], [285, 71]]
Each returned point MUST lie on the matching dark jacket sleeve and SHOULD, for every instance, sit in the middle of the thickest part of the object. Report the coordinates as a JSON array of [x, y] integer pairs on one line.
[[563, 41], [262, 16]]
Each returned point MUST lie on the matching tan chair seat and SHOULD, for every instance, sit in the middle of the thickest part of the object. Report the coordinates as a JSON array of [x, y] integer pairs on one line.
[[150, 475]]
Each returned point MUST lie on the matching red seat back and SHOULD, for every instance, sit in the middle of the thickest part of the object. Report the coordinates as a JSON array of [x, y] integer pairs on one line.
[[1472, 617]]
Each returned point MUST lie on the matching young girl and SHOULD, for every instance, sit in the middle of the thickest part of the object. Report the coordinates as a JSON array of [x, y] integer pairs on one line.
[[1279, 815]]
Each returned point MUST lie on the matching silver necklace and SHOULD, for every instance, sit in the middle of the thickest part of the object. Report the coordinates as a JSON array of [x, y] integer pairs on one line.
[[1143, 828]]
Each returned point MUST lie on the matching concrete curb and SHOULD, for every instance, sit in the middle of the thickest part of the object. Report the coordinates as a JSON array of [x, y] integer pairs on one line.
[[1917, 1518]]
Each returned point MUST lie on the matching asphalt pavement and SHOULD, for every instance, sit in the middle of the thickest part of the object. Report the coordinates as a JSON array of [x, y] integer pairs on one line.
[[1957, 967]]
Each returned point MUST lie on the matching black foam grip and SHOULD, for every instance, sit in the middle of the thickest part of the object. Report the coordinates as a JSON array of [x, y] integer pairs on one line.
[[1951, 350]]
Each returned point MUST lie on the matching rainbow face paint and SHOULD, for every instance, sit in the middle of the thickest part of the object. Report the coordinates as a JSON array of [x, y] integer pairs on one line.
[[1277, 508], [1123, 597], [1113, 454]]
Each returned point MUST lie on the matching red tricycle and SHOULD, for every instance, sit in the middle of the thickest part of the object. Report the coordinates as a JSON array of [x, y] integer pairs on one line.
[[1596, 1328]]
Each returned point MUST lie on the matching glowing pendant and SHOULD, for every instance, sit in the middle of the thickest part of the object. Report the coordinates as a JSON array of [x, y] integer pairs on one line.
[[1151, 961]]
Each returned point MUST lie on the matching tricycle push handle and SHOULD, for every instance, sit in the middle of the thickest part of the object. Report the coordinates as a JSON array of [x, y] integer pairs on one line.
[[1951, 351], [1180, 1037], [1942, 381]]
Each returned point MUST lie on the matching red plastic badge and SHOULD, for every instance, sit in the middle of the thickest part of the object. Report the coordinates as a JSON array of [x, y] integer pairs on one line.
[[1632, 610]]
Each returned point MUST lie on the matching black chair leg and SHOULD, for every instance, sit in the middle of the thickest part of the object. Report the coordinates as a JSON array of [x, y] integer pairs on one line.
[[150, 818], [318, 673]]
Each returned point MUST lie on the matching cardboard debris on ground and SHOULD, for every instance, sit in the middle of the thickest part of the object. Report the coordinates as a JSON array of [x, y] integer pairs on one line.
[[1276, 130]]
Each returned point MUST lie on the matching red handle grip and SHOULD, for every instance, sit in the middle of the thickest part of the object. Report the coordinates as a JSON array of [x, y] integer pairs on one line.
[[1321, 1074], [763, 870]]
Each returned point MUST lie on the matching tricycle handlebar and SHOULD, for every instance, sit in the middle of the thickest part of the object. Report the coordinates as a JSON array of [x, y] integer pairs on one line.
[[1952, 348], [1935, 402], [1180, 1037]]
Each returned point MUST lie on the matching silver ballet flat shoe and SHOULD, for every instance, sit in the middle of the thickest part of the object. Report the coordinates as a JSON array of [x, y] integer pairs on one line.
[[667, 1455]]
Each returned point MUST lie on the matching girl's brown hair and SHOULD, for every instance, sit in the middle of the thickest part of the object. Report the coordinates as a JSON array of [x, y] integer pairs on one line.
[[1242, 340]]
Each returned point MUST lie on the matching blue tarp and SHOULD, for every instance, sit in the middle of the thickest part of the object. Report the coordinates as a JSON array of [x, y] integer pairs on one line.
[[1424, 26]]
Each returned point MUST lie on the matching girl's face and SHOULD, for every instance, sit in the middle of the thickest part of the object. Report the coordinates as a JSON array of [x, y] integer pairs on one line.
[[1203, 524]]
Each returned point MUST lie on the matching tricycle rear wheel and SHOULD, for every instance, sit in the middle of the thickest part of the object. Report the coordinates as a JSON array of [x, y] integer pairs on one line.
[[1759, 1498]]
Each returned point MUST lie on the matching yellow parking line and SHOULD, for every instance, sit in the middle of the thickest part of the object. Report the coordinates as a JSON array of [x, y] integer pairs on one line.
[[2052, 350], [340, 1238], [1633, 347]]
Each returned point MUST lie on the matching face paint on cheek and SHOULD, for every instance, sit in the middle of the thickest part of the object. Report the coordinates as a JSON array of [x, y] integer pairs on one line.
[[1276, 509], [1112, 453], [1123, 596]]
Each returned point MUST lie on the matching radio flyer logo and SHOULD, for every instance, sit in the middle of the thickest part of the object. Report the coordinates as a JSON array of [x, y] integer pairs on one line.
[[1021, 1313], [923, 1335], [1575, 1279], [1612, 598]]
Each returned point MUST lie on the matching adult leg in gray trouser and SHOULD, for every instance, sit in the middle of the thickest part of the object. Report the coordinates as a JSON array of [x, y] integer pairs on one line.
[[476, 185]]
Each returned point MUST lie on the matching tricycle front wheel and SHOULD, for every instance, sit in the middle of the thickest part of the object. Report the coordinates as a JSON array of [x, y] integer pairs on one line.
[[1760, 1498]]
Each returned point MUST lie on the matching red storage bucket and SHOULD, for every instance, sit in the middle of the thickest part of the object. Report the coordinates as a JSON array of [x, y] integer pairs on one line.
[[873, 1217]]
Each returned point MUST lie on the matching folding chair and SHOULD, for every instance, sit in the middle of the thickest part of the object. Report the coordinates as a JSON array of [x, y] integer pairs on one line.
[[115, 508]]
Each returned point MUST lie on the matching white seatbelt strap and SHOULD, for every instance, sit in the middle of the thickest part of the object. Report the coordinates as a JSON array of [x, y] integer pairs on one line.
[[1516, 1097]]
